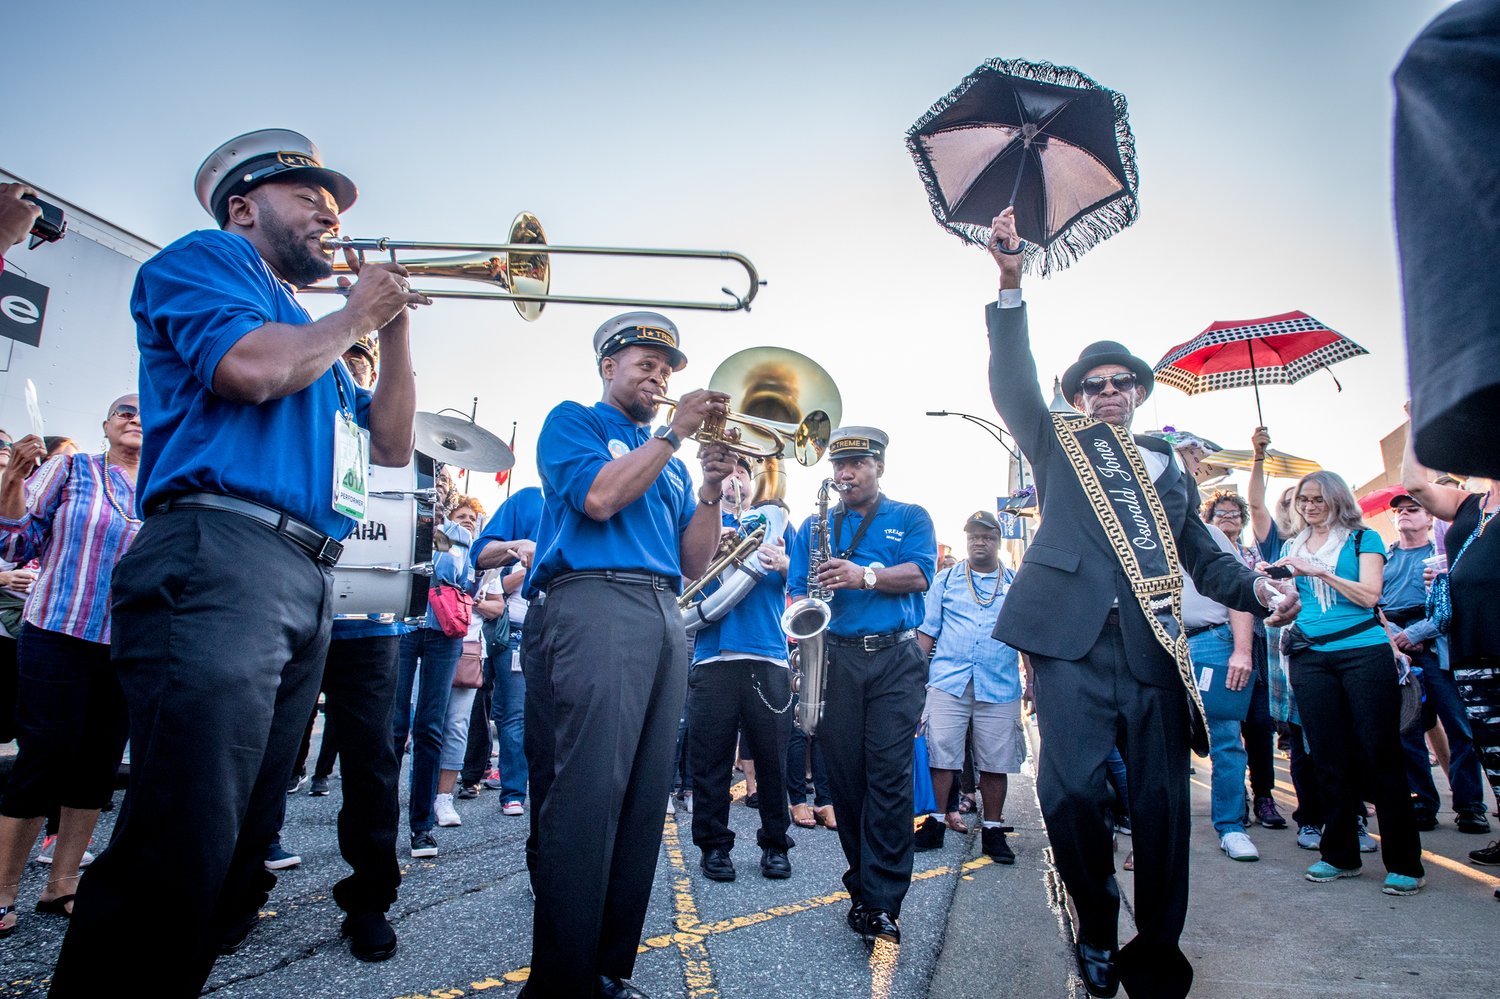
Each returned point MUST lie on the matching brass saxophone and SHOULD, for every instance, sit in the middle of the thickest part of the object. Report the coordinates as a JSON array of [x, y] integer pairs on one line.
[[807, 619]]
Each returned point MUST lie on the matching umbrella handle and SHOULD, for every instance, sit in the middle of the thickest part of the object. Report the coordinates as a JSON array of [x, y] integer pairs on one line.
[[1021, 170]]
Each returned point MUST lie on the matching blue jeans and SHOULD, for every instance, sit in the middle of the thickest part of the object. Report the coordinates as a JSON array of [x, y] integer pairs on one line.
[[509, 711], [437, 655], [1226, 746]]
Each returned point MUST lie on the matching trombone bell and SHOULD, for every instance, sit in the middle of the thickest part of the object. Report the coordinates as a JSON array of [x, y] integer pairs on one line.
[[521, 273]]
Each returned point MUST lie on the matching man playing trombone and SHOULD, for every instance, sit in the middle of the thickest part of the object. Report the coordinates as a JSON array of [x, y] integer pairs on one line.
[[621, 525], [222, 607], [881, 557]]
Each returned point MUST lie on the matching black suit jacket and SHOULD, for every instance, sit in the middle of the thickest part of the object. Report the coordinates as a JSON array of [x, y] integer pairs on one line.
[[1070, 576]]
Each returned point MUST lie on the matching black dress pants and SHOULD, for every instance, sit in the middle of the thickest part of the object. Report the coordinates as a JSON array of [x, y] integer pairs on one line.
[[1350, 705], [220, 627], [725, 699], [870, 714], [1084, 708], [612, 675], [359, 684]]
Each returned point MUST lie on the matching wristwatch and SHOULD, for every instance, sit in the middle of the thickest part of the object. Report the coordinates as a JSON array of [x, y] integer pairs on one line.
[[869, 577], [665, 433]]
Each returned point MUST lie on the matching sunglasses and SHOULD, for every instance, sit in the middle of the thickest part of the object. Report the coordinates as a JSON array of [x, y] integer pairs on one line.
[[1227, 515], [126, 412], [1123, 382], [5, 445]]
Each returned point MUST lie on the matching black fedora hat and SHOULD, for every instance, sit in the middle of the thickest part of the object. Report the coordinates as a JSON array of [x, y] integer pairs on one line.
[[1106, 352]]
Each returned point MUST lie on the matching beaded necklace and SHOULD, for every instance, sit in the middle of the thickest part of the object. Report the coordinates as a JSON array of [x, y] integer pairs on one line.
[[974, 590], [109, 494]]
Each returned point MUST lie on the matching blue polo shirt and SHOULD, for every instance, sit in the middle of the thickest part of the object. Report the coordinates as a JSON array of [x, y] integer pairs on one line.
[[752, 626], [575, 443], [192, 302], [518, 518], [901, 532], [962, 631]]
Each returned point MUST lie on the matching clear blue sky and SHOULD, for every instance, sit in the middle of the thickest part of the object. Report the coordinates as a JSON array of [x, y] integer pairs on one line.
[[1263, 133]]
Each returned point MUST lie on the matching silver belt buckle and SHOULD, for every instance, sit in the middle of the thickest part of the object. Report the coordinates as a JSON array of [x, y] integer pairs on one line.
[[870, 643]]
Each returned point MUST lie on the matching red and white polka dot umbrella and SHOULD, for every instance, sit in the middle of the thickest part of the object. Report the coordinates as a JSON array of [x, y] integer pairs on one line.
[[1274, 350]]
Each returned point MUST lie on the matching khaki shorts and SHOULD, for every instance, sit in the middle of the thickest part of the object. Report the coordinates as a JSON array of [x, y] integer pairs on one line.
[[999, 742]]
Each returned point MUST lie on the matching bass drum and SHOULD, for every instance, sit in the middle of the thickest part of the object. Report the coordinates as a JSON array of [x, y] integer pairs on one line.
[[387, 561]]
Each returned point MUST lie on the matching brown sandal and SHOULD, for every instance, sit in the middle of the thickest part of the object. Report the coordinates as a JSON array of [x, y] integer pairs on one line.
[[802, 815]]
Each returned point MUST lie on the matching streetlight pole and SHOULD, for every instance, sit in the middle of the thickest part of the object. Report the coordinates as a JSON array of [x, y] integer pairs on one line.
[[995, 430]]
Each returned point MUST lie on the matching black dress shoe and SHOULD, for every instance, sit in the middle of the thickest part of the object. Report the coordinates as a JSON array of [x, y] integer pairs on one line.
[[716, 865], [881, 925], [1097, 966], [371, 937], [774, 864], [856, 917], [234, 938], [609, 987]]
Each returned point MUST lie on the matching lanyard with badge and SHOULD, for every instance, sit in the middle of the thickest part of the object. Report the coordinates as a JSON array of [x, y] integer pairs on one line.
[[351, 459]]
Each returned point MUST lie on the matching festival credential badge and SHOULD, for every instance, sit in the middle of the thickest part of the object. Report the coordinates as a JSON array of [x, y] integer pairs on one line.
[[351, 463]]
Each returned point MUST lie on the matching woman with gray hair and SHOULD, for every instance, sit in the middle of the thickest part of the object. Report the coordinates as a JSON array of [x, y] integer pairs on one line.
[[1343, 672]]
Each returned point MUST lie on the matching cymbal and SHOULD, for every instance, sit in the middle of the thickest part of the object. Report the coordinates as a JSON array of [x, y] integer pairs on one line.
[[455, 441]]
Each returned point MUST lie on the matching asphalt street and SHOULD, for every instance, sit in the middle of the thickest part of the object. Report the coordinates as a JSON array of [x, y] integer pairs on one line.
[[970, 928]]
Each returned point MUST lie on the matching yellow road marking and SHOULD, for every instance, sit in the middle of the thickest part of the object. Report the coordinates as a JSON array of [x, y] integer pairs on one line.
[[696, 969], [689, 934]]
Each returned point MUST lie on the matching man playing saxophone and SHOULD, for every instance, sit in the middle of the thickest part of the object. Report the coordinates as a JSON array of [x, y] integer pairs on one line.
[[882, 557]]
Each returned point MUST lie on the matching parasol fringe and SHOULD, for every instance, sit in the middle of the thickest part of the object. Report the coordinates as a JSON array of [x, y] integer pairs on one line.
[[1084, 234]]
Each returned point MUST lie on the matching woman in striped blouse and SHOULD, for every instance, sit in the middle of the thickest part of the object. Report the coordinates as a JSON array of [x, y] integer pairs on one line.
[[77, 516]]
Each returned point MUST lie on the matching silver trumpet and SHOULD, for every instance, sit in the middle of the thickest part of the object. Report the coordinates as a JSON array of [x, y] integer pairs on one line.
[[806, 621]]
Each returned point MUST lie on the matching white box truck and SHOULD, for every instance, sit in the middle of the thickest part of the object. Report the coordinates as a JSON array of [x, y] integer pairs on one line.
[[65, 324]]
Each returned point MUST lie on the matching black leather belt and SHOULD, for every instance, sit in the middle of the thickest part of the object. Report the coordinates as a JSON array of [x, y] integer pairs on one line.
[[873, 643], [317, 544], [650, 579], [1191, 632]]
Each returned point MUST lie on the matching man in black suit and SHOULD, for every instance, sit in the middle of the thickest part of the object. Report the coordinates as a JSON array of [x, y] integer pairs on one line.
[[1112, 667]]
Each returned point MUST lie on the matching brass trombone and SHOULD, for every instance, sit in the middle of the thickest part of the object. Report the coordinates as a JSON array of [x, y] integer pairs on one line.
[[524, 274]]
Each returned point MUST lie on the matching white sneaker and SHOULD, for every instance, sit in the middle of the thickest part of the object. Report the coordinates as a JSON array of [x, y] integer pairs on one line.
[[446, 814], [1238, 846], [671, 808]]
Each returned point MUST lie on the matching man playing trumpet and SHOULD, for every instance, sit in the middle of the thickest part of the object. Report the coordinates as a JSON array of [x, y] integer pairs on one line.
[[621, 525]]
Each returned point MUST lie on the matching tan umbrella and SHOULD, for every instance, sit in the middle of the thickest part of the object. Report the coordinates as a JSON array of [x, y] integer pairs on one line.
[[1278, 464]]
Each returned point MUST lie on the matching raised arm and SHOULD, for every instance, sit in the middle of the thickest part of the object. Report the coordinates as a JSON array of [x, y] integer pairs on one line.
[[1013, 379], [1255, 495], [1440, 501]]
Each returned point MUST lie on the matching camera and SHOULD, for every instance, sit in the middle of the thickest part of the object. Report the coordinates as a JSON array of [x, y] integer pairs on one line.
[[49, 227]]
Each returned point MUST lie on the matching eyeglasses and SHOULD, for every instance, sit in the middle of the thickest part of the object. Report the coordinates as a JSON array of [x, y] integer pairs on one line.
[[126, 412], [1406, 509], [1124, 381], [1309, 500]]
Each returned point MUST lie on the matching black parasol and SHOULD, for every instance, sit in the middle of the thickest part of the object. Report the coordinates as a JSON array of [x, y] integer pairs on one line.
[[1044, 138]]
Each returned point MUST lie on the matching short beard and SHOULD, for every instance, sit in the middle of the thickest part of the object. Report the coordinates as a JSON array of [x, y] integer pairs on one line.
[[297, 263], [642, 412]]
